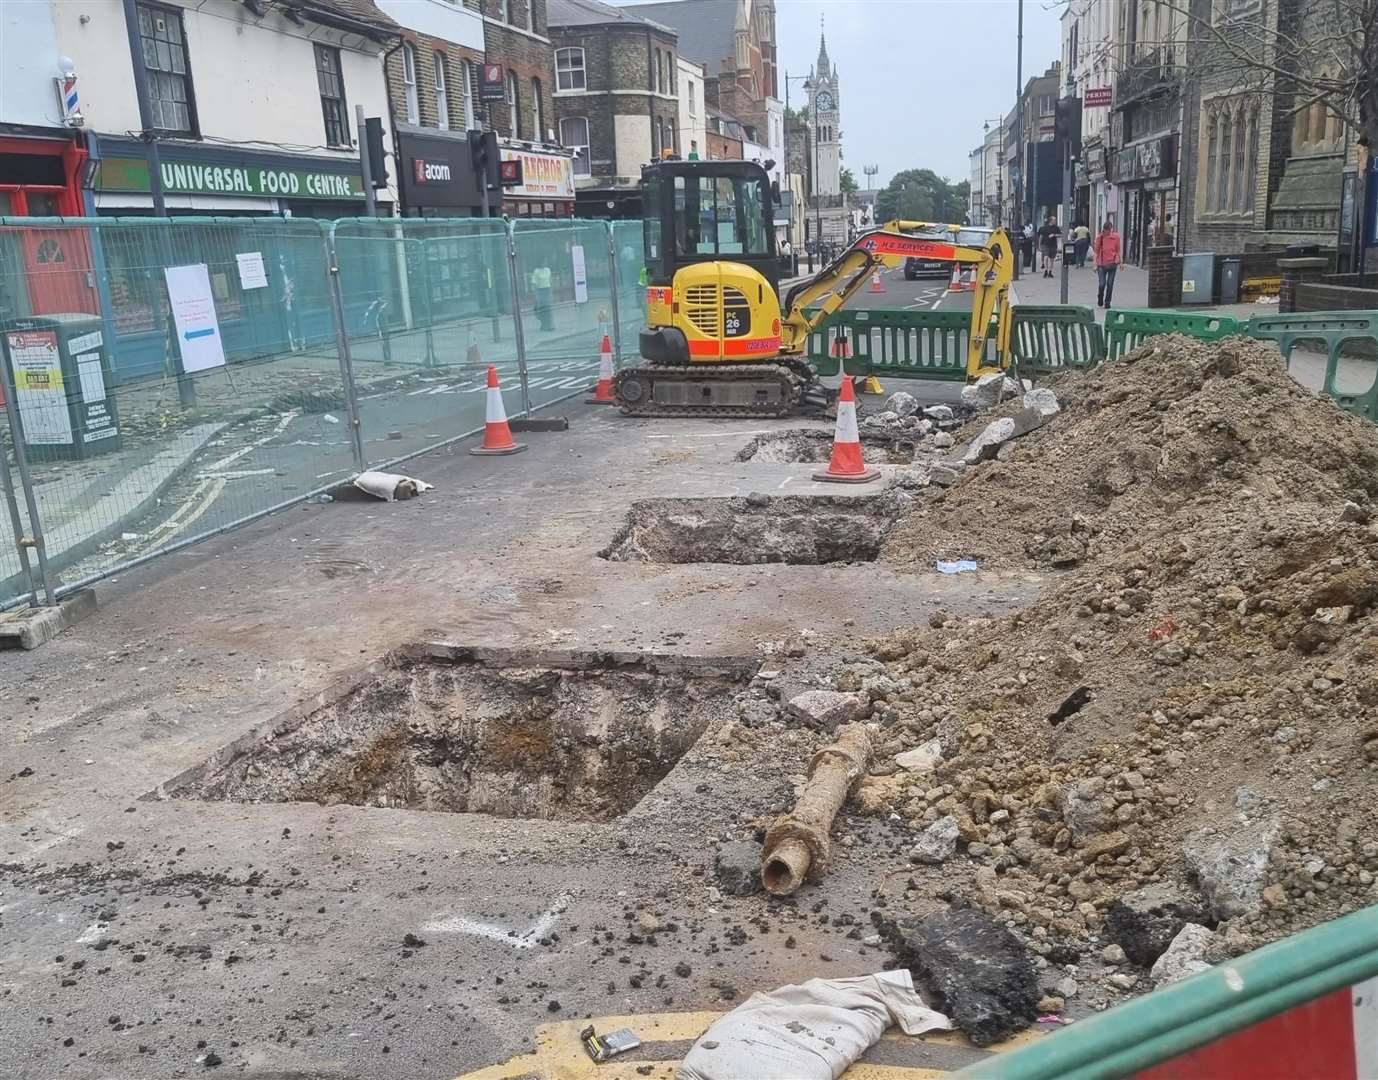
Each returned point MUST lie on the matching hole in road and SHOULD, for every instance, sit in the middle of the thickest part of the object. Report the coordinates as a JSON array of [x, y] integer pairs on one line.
[[816, 444], [757, 529], [585, 739]]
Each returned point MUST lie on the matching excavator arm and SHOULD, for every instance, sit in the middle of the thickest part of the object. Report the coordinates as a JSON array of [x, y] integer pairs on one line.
[[810, 303]]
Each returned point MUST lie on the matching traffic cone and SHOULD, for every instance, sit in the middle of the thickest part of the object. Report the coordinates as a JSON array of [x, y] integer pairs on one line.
[[955, 285], [497, 436], [876, 286], [602, 394], [842, 346], [847, 465]]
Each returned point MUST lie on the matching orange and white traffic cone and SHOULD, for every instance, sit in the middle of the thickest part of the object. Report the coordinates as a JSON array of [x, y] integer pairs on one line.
[[876, 286], [602, 394], [497, 436], [955, 285], [847, 465], [842, 346]]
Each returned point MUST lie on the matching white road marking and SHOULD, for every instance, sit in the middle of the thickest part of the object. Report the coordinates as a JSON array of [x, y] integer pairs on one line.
[[785, 481], [527, 939], [711, 434], [287, 418]]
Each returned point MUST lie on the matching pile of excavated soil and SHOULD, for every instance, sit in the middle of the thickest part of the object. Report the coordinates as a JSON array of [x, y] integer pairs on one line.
[[1194, 701], [1176, 429]]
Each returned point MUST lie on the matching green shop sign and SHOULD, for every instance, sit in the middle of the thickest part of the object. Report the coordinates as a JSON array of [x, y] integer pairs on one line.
[[131, 174]]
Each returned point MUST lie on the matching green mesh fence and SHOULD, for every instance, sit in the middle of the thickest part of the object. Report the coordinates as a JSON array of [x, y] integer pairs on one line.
[[134, 444]]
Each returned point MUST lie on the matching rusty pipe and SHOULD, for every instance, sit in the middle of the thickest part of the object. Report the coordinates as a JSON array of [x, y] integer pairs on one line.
[[797, 845]]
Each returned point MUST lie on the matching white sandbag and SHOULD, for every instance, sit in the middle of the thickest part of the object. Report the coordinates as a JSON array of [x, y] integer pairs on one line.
[[390, 486], [813, 1031]]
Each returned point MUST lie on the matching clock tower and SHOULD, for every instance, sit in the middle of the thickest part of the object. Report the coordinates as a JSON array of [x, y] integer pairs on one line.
[[824, 115]]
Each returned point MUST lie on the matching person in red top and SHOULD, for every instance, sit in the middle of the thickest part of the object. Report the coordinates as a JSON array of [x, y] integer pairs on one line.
[[1107, 249]]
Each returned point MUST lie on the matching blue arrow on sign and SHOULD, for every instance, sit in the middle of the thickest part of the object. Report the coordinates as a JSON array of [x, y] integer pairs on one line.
[[207, 332]]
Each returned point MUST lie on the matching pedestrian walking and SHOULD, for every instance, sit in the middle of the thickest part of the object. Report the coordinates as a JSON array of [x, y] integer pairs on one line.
[[1081, 236], [1107, 262], [540, 287], [1047, 241]]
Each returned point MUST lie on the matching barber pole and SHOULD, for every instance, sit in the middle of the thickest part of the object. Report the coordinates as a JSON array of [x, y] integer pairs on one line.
[[497, 436], [847, 465]]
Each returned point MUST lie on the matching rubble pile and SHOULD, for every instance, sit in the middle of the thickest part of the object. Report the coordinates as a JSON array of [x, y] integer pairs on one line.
[[1173, 754], [1177, 428]]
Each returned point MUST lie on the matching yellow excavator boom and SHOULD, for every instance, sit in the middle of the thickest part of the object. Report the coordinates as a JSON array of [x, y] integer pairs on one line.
[[811, 302]]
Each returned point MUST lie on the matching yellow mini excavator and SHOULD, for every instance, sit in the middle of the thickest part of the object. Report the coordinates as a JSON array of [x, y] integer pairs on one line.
[[718, 341]]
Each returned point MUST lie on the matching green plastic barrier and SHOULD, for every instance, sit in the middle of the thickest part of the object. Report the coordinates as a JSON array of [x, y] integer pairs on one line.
[[1207, 1007], [1045, 339], [1333, 329], [1126, 330], [904, 344]]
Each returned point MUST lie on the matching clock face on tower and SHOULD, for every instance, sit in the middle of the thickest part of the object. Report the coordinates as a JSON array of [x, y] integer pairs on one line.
[[825, 102]]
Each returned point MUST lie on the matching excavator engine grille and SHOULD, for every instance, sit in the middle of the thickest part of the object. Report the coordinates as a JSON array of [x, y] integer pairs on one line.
[[702, 308]]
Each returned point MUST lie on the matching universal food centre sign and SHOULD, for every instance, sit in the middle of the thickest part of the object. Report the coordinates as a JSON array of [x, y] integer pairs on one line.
[[130, 174]]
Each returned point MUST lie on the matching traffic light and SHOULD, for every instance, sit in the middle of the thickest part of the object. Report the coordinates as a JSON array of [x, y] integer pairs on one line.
[[483, 150], [377, 154]]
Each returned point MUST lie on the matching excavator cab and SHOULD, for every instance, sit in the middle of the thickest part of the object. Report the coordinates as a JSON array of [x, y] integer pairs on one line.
[[708, 211]]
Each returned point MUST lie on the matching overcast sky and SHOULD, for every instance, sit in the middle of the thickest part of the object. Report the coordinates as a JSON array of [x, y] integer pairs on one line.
[[918, 77]]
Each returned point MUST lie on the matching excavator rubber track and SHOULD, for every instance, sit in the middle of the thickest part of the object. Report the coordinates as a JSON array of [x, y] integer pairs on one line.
[[638, 388]]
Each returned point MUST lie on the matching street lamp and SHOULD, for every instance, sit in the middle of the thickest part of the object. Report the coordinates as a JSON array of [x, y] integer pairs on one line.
[[789, 79]]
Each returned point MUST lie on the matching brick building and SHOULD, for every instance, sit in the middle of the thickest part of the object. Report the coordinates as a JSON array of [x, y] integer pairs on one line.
[[617, 103], [515, 36], [1267, 168], [735, 42], [432, 74]]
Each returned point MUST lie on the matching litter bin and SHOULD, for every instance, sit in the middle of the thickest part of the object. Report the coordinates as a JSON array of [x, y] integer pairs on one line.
[[60, 370], [1229, 280]]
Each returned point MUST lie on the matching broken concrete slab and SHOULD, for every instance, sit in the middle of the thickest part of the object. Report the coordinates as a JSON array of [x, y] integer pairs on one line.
[[902, 404], [938, 842], [1042, 399], [1232, 870], [988, 390], [737, 868], [825, 710], [939, 412], [979, 973], [992, 437], [1185, 956], [922, 759], [28, 628], [1144, 922]]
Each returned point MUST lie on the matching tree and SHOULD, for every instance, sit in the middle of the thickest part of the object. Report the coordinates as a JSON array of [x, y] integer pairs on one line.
[[922, 195], [848, 182]]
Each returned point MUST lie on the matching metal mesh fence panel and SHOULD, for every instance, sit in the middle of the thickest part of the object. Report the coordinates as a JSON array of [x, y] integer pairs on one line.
[[169, 378], [631, 288], [461, 323]]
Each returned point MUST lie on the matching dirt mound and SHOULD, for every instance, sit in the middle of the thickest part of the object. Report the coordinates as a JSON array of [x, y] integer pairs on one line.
[[1175, 428], [1196, 699]]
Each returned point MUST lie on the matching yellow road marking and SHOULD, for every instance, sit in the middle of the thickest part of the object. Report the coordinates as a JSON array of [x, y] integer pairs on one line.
[[559, 1054]]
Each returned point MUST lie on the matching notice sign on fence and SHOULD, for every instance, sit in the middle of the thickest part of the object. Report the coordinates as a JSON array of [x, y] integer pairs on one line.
[[581, 279], [39, 389], [193, 314], [252, 275]]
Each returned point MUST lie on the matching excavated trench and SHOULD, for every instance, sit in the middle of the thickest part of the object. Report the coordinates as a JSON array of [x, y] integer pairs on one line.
[[816, 444], [804, 530], [567, 737]]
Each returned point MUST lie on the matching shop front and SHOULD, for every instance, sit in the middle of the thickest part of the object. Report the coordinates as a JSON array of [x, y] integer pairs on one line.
[[43, 271], [1146, 172], [547, 187], [1101, 201], [226, 181]]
